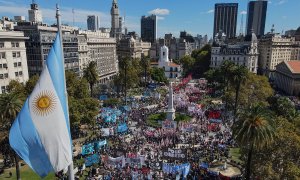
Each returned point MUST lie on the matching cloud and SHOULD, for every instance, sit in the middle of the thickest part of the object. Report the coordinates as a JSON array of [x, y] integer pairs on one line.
[[210, 11], [284, 17], [159, 11], [270, 2], [281, 2], [160, 18], [49, 14], [243, 12], [4, 2]]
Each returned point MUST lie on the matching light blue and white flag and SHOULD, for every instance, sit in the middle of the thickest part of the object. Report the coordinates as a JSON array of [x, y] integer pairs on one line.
[[40, 134]]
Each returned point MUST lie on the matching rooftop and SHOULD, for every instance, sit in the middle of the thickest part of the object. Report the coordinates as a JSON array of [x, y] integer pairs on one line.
[[294, 66]]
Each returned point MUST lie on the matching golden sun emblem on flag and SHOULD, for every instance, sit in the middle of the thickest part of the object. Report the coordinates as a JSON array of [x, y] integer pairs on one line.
[[44, 103]]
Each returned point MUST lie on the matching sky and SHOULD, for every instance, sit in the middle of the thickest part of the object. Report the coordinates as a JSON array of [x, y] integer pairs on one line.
[[193, 16]]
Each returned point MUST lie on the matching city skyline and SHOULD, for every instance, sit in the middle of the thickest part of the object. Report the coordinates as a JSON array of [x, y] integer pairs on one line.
[[196, 17]]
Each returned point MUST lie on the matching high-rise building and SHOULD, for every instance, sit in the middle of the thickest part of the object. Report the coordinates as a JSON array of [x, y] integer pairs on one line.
[[34, 14], [13, 61], [226, 18], [39, 42], [116, 23], [149, 28], [93, 22], [257, 11]]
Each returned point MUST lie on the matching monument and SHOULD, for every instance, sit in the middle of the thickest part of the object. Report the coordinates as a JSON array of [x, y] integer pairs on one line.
[[170, 110]]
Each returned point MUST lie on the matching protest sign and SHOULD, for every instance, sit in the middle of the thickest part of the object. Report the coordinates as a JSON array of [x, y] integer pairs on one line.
[[93, 159]]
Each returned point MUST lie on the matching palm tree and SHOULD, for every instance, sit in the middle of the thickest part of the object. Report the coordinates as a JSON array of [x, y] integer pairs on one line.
[[254, 130], [239, 76], [90, 73], [10, 105]]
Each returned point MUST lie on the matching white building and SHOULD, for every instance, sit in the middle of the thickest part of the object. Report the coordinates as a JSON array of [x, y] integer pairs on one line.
[[13, 61], [273, 49], [101, 49], [243, 53], [172, 70], [35, 15]]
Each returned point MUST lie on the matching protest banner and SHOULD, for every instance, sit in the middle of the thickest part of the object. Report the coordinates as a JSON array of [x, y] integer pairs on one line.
[[176, 168], [93, 159], [176, 154], [167, 124], [87, 149], [122, 128], [99, 144]]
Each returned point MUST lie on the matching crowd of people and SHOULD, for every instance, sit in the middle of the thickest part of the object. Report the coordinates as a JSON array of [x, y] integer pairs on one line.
[[138, 151]]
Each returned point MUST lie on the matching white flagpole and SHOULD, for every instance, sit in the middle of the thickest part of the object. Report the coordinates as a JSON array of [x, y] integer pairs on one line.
[[70, 167]]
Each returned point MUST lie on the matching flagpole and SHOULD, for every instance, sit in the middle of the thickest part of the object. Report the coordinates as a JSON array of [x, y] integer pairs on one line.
[[70, 167]]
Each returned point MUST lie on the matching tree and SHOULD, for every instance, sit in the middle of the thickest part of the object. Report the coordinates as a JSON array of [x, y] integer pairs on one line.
[[202, 61], [254, 130], [158, 75], [76, 87], [30, 84], [284, 107], [90, 73], [15, 86], [10, 105], [280, 160], [187, 63], [240, 74]]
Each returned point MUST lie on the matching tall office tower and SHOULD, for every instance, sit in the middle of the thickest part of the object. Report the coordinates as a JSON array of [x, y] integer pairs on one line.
[[149, 28], [226, 19], [116, 30], [257, 11], [93, 22], [34, 14]]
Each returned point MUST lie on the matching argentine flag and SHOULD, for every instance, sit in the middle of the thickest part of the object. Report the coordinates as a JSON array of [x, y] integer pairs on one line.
[[41, 134]]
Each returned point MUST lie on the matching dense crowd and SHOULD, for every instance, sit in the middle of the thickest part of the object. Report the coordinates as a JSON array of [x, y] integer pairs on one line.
[[144, 152]]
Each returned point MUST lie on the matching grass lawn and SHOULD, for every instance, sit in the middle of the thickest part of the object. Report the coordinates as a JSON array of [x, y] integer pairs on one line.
[[235, 154], [26, 174], [153, 119]]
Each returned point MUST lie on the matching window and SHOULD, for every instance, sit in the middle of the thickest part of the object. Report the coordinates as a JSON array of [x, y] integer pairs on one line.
[[4, 65], [2, 45], [20, 73], [15, 44], [19, 64], [1, 66], [1, 76], [16, 54], [17, 74], [15, 64], [2, 55], [6, 75], [3, 89]]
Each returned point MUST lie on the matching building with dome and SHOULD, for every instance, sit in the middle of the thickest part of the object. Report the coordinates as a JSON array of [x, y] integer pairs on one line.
[[172, 70], [243, 53]]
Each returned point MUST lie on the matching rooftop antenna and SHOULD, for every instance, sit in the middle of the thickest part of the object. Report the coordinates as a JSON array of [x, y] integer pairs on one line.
[[73, 12]]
